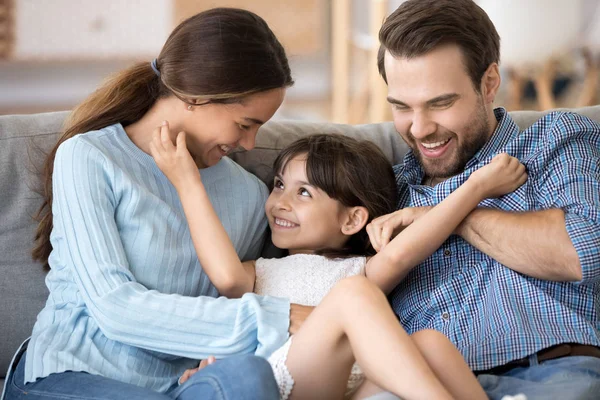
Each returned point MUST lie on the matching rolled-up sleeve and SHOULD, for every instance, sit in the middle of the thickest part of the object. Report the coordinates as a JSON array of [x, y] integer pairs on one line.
[[570, 180]]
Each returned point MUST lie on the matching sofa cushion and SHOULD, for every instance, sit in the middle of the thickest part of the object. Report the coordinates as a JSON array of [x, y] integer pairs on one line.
[[23, 142], [24, 139]]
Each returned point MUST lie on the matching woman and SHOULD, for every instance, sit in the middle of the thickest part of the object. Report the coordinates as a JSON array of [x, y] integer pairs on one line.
[[130, 308]]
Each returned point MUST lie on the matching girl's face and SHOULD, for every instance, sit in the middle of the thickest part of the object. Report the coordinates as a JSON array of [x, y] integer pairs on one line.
[[302, 217], [214, 130]]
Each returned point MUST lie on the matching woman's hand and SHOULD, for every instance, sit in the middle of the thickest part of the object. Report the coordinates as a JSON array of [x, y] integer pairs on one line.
[[189, 372], [174, 160], [503, 175], [298, 314], [383, 229]]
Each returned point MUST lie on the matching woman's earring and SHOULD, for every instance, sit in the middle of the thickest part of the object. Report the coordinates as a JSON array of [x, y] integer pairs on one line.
[[190, 107]]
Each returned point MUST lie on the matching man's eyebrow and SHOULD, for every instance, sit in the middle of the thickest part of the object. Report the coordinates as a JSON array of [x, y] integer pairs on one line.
[[443, 98], [438, 99], [392, 100], [256, 121]]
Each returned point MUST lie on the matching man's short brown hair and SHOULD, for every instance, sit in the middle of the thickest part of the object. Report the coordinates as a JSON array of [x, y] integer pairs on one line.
[[419, 26]]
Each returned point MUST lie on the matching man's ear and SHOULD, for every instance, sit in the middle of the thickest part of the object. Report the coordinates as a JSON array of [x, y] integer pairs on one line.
[[356, 219], [490, 82]]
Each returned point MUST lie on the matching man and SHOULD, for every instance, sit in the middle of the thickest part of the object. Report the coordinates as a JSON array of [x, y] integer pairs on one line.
[[517, 289]]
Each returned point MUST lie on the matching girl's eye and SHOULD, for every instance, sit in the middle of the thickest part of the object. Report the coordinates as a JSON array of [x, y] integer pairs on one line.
[[278, 184], [304, 192], [244, 127]]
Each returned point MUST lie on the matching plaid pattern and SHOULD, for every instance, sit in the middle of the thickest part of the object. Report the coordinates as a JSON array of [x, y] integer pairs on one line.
[[491, 313]]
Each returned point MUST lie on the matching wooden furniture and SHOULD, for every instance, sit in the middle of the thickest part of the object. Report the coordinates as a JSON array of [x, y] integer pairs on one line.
[[6, 28], [368, 103], [298, 24]]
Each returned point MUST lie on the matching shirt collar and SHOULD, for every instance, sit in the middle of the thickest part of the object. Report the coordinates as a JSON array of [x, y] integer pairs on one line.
[[505, 131]]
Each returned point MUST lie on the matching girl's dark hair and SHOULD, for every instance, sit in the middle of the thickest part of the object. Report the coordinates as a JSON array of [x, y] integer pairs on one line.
[[419, 26], [218, 56], [353, 172]]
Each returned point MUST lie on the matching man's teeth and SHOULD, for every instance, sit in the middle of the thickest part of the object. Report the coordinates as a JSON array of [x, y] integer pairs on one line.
[[284, 223], [225, 148], [434, 144]]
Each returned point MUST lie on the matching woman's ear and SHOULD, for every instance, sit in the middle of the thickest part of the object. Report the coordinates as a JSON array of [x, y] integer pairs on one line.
[[356, 219]]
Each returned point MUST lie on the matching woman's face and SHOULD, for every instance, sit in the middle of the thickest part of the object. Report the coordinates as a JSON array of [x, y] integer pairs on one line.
[[214, 130]]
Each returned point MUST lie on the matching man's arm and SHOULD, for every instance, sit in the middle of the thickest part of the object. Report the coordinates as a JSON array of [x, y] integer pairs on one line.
[[532, 243]]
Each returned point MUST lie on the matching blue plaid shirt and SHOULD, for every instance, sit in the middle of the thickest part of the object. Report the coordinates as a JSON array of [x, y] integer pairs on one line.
[[491, 313]]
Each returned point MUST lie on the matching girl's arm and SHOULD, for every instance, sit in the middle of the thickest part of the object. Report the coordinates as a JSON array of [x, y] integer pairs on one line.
[[213, 246], [421, 238]]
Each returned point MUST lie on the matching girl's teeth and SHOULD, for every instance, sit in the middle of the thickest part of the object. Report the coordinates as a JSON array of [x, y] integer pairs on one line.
[[225, 148], [434, 145], [284, 223]]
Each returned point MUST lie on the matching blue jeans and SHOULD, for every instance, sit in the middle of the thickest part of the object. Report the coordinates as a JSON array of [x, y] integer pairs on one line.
[[242, 377], [576, 378], [567, 378]]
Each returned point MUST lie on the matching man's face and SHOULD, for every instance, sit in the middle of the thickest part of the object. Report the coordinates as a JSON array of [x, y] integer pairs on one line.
[[436, 109]]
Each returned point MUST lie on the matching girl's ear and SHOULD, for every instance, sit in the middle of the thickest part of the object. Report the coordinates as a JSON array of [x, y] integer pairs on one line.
[[356, 219]]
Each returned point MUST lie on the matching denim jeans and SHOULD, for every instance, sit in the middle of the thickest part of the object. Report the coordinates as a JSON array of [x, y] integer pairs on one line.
[[576, 378], [241, 377], [567, 378]]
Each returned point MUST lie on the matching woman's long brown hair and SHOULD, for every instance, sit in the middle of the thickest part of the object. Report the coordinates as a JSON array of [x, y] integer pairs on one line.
[[217, 56]]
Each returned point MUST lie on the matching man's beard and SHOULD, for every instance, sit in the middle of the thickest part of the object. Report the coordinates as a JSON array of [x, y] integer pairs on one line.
[[472, 140]]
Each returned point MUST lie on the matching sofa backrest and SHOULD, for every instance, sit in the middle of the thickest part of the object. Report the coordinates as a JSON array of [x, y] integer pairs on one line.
[[24, 140]]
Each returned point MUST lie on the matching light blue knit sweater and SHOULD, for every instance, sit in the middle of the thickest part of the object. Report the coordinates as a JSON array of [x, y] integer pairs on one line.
[[128, 298]]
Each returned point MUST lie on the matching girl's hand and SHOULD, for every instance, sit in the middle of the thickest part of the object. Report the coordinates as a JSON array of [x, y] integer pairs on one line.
[[174, 160], [383, 229], [503, 175]]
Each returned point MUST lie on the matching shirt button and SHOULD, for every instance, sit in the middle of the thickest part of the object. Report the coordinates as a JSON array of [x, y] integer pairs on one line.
[[445, 316], [447, 252]]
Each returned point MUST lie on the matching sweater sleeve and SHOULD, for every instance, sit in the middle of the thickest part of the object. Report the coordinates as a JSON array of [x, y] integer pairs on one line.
[[88, 242]]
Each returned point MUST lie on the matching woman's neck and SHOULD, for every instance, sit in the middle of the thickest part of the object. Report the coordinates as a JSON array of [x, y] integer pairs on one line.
[[140, 132]]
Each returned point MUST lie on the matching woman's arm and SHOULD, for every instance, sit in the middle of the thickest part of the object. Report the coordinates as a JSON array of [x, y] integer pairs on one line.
[[87, 244], [423, 236], [213, 246]]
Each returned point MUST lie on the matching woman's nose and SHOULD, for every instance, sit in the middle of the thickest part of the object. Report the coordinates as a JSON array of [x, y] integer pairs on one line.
[[248, 140]]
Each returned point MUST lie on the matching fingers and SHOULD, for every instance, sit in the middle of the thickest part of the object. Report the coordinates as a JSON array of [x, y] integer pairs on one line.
[[189, 372], [161, 144], [374, 230], [386, 234], [186, 375], [165, 137], [206, 362], [513, 167], [381, 230], [181, 144]]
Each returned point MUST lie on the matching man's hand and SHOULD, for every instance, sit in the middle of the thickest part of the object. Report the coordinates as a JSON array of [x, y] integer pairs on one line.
[[383, 229], [298, 315]]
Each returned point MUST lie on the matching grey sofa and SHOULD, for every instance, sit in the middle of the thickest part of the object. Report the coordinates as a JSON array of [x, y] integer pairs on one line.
[[25, 138]]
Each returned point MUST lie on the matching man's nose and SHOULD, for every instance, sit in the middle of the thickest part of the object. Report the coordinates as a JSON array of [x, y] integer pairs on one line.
[[422, 125]]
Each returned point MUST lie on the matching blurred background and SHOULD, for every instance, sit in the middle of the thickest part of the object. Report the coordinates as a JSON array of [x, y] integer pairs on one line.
[[54, 53]]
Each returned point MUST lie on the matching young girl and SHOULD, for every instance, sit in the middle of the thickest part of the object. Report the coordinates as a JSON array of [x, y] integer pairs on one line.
[[327, 188]]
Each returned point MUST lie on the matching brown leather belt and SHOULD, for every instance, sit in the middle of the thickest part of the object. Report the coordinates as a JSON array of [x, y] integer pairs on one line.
[[550, 353]]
